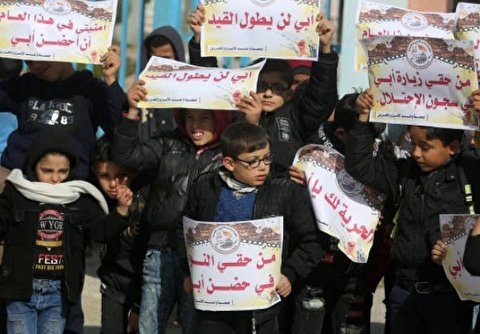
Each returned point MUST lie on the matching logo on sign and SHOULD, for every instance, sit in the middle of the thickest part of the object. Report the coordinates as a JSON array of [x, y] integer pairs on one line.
[[59, 7], [263, 3], [419, 54], [414, 21], [225, 239], [348, 184]]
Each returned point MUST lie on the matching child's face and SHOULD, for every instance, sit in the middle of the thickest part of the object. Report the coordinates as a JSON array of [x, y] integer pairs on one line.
[[109, 176], [50, 71], [164, 51], [430, 153], [243, 167], [52, 168], [200, 126], [273, 91]]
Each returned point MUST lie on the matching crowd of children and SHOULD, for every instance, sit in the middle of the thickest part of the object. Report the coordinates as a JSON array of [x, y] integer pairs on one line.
[[130, 189]]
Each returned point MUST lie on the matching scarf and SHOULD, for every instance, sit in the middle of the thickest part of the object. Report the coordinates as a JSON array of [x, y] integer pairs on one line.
[[61, 193], [239, 189]]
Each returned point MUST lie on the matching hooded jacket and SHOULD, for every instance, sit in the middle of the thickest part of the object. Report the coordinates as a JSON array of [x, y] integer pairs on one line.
[[19, 225], [177, 162], [79, 105], [160, 121]]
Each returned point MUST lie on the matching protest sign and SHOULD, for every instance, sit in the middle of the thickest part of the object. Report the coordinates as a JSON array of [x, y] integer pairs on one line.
[[56, 30], [376, 19], [261, 28], [173, 84], [468, 27], [234, 266], [344, 208], [455, 230], [422, 81]]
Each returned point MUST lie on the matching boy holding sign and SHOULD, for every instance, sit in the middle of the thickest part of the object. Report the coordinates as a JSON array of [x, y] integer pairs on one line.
[[289, 123], [241, 191], [433, 181]]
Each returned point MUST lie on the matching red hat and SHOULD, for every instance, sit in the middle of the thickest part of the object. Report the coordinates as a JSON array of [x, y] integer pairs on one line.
[[300, 66]]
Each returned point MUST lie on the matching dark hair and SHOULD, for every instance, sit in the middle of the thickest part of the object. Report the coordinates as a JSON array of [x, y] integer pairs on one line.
[[346, 112], [279, 66], [10, 68], [157, 41], [102, 150], [243, 137], [446, 136]]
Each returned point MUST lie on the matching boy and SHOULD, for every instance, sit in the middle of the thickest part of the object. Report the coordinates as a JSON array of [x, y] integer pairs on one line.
[[54, 95], [178, 158], [429, 183], [163, 42], [116, 270], [45, 218], [244, 191], [288, 123]]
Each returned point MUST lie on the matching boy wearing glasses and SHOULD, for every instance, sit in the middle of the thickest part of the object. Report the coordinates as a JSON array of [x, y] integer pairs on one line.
[[242, 191], [288, 120]]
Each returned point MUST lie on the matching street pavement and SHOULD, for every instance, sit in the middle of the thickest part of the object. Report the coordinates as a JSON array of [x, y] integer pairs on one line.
[[92, 303]]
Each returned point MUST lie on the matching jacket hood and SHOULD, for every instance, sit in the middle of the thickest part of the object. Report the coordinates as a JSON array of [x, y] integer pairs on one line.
[[48, 141], [172, 35], [223, 118]]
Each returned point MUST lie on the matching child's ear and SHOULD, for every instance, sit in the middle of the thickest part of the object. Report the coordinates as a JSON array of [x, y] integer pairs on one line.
[[228, 164], [454, 147]]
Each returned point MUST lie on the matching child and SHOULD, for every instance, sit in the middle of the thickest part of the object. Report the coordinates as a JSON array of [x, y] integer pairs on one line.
[[54, 95], [163, 42], [44, 219], [178, 158], [288, 123], [470, 259], [429, 183], [244, 191], [116, 270]]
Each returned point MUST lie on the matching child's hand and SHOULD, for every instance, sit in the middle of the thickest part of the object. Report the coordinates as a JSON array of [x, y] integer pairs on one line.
[[325, 30], [365, 104], [297, 175], [196, 20], [124, 196], [188, 285], [251, 106], [439, 251], [284, 287], [111, 64], [136, 93]]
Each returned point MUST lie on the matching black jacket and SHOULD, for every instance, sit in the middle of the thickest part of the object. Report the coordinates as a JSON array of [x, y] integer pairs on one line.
[[421, 198], [471, 258], [80, 104], [175, 159], [291, 125], [276, 197]]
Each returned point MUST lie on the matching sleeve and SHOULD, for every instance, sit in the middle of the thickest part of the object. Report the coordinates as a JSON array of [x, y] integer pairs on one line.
[[300, 224], [196, 58], [103, 227], [11, 95], [110, 102], [319, 97], [471, 257], [132, 153], [6, 213], [374, 171], [190, 211]]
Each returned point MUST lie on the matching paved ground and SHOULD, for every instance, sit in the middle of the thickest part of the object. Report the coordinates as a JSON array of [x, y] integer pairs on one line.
[[91, 304]]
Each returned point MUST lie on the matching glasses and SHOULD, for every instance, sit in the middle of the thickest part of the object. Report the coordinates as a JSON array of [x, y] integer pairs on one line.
[[267, 160], [276, 88]]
